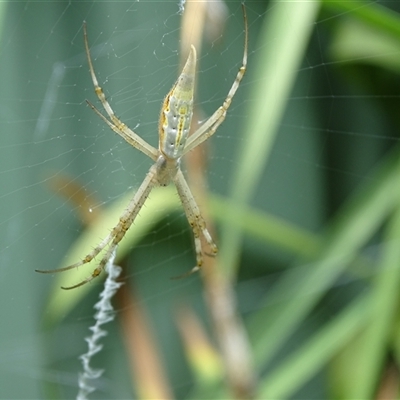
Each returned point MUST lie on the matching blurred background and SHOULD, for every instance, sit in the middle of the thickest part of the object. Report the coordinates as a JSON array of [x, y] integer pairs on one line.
[[300, 187]]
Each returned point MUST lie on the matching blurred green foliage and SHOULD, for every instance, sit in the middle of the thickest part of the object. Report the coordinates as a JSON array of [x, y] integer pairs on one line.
[[306, 177]]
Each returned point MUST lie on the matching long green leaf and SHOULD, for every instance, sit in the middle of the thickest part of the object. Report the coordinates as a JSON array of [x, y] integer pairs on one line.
[[369, 351], [280, 55], [356, 224], [302, 365]]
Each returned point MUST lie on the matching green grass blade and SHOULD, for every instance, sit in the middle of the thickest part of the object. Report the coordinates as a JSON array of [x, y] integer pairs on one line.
[[357, 42], [371, 13], [301, 366], [303, 287], [369, 351], [265, 227], [280, 55]]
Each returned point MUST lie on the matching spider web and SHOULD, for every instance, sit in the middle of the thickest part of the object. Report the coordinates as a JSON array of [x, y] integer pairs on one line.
[[339, 122]]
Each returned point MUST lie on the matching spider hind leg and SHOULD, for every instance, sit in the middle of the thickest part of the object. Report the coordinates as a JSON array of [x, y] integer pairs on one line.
[[196, 222], [199, 252]]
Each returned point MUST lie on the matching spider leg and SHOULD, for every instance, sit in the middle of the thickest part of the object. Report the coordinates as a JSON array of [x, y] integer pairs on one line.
[[206, 130], [123, 133], [117, 233], [87, 259], [211, 125], [117, 125], [125, 222], [195, 219], [97, 271]]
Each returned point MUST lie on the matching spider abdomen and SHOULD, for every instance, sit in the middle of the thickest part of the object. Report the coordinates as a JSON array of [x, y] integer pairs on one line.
[[177, 111]]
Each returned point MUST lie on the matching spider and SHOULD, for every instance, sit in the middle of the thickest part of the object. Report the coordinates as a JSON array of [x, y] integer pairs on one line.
[[174, 142]]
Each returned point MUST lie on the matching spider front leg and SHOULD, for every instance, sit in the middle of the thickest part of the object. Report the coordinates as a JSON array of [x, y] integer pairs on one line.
[[115, 123], [211, 125], [196, 221]]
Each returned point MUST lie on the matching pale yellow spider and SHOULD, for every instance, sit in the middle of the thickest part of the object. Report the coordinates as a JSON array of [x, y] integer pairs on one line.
[[174, 142]]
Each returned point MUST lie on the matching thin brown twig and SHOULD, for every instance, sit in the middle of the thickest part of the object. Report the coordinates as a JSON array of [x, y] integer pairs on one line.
[[228, 325]]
